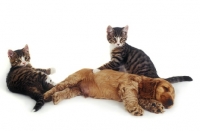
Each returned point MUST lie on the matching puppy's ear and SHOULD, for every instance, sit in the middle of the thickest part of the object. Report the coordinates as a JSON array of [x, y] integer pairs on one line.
[[148, 88]]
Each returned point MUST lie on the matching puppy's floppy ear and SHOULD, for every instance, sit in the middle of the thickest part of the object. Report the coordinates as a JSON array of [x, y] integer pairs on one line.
[[148, 88]]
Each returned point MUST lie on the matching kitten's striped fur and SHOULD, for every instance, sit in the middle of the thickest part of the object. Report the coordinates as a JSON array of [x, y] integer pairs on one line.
[[130, 59], [24, 79]]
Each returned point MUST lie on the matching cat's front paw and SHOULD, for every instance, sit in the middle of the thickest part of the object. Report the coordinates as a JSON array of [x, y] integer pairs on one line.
[[96, 70], [51, 71]]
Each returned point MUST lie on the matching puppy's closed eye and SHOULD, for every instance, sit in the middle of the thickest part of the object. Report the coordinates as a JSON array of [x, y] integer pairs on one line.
[[165, 89], [160, 89]]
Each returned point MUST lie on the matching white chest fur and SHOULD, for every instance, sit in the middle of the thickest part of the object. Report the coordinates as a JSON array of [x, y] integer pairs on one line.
[[112, 46]]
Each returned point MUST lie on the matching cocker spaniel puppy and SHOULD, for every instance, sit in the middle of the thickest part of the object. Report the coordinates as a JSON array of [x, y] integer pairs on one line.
[[136, 92]]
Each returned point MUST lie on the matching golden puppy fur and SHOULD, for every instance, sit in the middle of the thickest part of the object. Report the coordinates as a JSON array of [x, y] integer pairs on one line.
[[136, 92]]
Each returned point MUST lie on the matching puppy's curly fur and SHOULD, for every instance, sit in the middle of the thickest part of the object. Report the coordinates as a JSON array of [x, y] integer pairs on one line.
[[136, 92]]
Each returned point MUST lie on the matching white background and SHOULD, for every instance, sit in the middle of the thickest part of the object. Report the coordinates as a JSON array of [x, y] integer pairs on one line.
[[71, 34]]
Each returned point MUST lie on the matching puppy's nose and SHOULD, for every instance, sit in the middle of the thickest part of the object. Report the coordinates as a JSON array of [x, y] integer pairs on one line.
[[169, 103]]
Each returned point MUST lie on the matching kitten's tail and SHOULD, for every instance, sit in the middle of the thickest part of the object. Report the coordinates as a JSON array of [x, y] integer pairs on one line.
[[39, 101], [176, 79]]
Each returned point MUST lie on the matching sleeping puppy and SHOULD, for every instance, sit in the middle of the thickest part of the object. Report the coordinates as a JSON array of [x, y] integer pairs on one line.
[[136, 92]]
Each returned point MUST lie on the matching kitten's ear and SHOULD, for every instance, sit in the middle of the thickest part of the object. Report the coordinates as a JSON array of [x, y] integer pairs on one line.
[[10, 53], [125, 29], [26, 49], [109, 29]]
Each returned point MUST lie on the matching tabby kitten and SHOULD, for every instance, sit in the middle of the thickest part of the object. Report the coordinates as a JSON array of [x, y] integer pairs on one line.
[[130, 59], [24, 79]]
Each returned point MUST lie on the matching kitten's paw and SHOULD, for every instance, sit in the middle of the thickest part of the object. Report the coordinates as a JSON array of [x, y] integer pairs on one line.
[[96, 70], [52, 70]]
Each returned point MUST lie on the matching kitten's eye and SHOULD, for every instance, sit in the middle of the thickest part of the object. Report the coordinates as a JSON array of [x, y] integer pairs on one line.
[[115, 40], [26, 58], [17, 61], [122, 40], [112, 41]]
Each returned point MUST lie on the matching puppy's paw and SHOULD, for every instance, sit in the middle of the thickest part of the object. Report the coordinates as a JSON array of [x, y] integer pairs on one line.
[[56, 98], [95, 70], [156, 107], [135, 110], [152, 105], [47, 97]]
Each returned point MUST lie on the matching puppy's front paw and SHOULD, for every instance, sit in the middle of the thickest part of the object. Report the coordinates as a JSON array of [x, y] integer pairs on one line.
[[152, 105], [95, 70], [156, 107], [135, 110], [47, 97]]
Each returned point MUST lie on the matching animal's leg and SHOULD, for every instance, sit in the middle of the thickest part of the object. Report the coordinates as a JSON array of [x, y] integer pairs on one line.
[[128, 93], [35, 94], [48, 83], [47, 71], [65, 94], [70, 81], [151, 105], [59, 87]]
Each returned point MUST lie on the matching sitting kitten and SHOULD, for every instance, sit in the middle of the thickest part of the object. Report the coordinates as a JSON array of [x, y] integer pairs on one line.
[[24, 79], [130, 59]]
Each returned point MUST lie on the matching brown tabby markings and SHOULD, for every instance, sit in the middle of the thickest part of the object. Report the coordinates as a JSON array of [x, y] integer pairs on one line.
[[24, 79], [130, 59]]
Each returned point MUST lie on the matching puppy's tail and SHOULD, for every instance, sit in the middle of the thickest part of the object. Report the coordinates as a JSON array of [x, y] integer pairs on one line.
[[176, 79]]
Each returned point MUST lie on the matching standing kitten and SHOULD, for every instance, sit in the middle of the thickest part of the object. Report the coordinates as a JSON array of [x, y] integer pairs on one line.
[[24, 79], [130, 59]]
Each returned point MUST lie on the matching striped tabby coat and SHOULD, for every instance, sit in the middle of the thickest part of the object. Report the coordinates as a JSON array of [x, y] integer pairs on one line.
[[130, 59], [24, 79]]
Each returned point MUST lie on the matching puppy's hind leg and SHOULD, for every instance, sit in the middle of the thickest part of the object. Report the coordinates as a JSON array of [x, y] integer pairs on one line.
[[65, 94], [128, 94], [70, 81]]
